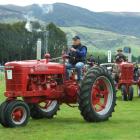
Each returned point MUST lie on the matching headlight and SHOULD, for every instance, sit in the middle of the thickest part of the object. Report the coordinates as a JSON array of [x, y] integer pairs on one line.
[[9, 74]]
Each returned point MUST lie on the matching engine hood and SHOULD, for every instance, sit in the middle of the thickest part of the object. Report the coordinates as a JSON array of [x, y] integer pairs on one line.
[[36, 67], [26, 63]]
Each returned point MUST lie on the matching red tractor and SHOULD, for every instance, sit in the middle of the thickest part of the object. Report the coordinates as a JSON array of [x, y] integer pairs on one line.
[[37, 88], [125, 75]]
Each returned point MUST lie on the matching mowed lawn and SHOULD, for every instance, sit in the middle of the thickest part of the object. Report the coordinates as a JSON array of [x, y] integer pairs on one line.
[[69, 125]]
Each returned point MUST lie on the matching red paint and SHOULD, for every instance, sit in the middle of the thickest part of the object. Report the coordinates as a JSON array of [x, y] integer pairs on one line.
[[17, 114], [37, 81]]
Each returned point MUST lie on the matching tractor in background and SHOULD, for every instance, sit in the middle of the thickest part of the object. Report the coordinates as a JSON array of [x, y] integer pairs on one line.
[[37, 88], [125, 75]]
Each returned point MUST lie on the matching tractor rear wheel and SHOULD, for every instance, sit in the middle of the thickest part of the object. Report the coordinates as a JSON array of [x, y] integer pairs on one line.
[[17, 113], [131, 93], [97, 96], [44, 110]]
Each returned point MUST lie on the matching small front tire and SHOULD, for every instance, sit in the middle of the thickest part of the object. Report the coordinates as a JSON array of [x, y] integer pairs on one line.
[[124, 93], [17, 113], [131, 93], [2, 113]]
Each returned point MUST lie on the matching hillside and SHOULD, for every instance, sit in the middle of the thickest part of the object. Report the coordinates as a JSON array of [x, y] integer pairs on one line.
[[68, 15], [100, 40]]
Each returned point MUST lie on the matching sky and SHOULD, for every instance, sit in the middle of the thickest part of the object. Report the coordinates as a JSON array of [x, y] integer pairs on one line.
[[93, 5]]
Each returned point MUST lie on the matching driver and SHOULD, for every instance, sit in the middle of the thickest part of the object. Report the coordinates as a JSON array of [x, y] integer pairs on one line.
[[120, 57], [91, 60], [77, 57]]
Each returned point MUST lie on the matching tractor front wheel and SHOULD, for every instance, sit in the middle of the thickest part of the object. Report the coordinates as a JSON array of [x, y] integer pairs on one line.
[[127, 95], [131, 93], [2, 113], [44, 110], [97, 96], [17, 113], [124, 92]]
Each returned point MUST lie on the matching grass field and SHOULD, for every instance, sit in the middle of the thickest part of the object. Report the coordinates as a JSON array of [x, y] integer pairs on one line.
[[69, 125]]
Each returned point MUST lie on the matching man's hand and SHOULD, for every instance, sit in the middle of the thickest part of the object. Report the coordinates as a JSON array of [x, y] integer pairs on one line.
[[72, 49]]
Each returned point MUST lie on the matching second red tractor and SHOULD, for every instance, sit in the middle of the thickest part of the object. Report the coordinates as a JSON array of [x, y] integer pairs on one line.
[[125, 75]]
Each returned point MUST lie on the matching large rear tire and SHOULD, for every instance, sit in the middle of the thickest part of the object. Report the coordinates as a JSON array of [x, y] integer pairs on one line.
[[44, 110], [97, 96]]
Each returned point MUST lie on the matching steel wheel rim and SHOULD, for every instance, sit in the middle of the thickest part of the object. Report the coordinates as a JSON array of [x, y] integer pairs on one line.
[[19, 115], [102, 95], [48, 106]]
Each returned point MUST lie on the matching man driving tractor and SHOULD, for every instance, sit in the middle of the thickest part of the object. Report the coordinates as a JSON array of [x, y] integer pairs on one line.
[[77, 57], [120, 57], [91, 60]]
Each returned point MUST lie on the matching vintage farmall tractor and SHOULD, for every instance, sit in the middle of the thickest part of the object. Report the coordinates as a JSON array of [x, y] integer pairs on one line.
[[37, 88], [125, 75]]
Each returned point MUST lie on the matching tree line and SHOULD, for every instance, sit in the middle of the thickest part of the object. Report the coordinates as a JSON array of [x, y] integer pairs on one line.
[[16, 43]]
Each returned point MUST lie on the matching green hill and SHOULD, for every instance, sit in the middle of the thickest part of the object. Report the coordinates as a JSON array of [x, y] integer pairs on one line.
[[68, 15], [101, 41]]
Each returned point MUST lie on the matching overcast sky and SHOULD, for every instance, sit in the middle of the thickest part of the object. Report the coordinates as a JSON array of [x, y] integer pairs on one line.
[[94, 5]]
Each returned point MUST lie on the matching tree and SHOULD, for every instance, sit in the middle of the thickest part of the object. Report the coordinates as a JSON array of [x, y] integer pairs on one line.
[[16, 43], [56, 40]]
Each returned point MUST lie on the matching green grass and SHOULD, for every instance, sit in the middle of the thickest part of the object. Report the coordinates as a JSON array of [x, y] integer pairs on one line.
[[69, 125], [1, 76]]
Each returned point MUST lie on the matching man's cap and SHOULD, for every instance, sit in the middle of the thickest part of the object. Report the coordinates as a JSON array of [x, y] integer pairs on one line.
[[119, 49], [76, 38]]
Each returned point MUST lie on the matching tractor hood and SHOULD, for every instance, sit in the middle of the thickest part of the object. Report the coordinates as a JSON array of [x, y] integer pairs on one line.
[[36, 66], [126, 64]]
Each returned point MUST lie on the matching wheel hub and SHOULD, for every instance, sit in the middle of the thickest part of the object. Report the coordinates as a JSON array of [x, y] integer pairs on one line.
[[100, 95], [18, 115]]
